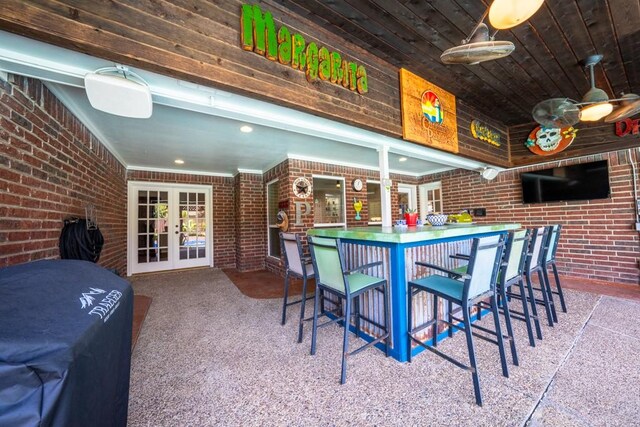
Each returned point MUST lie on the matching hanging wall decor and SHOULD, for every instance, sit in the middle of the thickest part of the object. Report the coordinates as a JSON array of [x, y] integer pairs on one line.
[[485, 133], [428, 113], [548, 141], [301, 187]]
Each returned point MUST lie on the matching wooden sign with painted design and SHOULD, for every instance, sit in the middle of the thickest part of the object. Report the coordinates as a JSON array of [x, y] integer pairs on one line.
[[258, 34], [428, 113], [485, 133]]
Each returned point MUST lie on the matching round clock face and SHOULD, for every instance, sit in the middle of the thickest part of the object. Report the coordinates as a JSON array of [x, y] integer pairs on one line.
[[357, 184], [301, 187]]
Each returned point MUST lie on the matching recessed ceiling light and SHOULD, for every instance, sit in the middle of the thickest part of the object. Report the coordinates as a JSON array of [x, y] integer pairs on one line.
[[402, 159], [179, 162], [246, 129]]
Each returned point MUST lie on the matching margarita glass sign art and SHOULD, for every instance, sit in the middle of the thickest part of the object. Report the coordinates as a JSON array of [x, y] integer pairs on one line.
[[357, 206], [431, 107]]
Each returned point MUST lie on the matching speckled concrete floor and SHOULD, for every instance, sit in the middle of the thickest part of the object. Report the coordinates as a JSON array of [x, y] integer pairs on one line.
[[208, 355]]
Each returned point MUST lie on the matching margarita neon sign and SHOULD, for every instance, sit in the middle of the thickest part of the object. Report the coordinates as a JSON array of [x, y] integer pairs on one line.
[[258, 34]]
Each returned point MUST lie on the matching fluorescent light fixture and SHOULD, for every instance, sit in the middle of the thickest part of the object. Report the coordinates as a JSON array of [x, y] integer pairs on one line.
[[402, 159], [246, 129], [118, 94], [178, 162], [505, 14]]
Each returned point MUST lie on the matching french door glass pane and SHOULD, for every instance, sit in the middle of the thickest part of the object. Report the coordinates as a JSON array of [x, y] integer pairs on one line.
[[192, 242], [153, 227]]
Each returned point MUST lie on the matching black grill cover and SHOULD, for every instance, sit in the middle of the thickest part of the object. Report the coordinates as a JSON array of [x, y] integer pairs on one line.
[[65, 345]]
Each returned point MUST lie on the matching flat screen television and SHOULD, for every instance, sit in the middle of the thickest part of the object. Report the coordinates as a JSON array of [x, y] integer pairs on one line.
[[582, 181]]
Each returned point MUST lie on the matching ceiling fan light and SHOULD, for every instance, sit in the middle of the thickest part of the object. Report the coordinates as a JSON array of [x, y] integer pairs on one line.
[[594, 112], [505, 14], [474, 53]]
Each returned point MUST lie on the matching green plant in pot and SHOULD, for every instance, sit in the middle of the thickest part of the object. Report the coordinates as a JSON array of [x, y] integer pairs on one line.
[[411, 216]]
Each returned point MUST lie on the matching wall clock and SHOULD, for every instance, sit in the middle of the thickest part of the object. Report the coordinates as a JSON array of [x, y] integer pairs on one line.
[[357, 184], [302, 187]]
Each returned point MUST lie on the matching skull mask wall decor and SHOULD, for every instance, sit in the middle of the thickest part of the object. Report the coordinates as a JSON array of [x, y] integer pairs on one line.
[[548, 139]]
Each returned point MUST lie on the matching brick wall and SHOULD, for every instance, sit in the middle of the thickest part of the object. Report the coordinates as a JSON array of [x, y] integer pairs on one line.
[[222, 206], [51, 166], [287, 172], [598, 240], [251, 239]]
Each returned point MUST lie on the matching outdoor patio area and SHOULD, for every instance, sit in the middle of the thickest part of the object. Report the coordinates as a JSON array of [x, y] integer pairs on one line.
[[209, 355]]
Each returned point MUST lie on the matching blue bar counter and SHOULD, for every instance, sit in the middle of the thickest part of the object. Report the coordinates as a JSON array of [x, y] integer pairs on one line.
[[398, 249]]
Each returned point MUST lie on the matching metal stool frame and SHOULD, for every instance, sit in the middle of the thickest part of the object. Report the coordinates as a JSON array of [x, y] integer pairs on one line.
[[324, 280]]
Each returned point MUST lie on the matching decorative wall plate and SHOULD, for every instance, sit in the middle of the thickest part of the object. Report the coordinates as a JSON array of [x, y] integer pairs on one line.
[[548, 141], [302, 187]]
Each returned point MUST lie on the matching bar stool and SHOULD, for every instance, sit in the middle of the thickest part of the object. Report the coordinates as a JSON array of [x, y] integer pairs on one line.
[[478, 283], [299, 267], [550, 260], [536, 264], [515, 255], [334, 278]]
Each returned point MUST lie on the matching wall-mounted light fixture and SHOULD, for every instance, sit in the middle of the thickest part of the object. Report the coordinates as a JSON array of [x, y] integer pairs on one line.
[[119, 91], [489, 173]]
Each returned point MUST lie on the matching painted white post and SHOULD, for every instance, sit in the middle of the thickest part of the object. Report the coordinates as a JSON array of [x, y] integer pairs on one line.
[[385, 186]]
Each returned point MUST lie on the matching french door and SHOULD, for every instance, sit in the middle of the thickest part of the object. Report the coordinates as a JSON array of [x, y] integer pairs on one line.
[[168, 227]]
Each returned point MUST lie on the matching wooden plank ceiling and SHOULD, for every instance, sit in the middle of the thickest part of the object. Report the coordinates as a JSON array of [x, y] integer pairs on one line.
[[413, 34]]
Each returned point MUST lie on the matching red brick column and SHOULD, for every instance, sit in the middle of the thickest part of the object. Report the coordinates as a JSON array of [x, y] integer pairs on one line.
[[250, 221]]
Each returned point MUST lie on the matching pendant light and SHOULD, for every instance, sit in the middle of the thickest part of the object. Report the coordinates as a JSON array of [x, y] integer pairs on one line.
[[504, 14], [480, 46], [597, 100]]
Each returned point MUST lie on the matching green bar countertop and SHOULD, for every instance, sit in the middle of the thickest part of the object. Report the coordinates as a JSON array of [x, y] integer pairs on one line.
[[410, 234]]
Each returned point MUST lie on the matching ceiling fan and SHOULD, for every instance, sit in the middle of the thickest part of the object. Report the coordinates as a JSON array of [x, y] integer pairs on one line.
[[480, 46], [595, 105]]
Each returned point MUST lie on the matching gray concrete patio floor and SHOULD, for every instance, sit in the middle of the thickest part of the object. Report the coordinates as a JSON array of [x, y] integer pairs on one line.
[[208, 355]]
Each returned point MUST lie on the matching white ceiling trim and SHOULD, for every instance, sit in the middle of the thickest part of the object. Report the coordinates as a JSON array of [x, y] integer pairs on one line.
[[27, 57], [354, 165], [178, 171]]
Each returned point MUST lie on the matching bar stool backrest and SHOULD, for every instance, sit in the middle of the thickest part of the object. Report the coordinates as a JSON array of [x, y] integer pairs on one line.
[[516, 254], [292, 250], [554, 237], [536, 253], [327, 262], [484, 261]]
